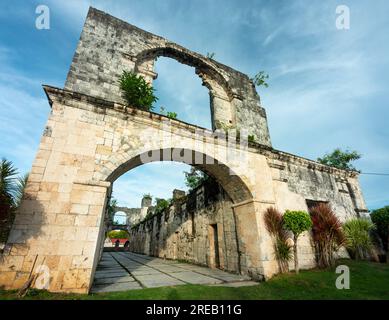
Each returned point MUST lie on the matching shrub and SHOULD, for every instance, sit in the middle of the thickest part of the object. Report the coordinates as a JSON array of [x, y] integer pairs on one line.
[[274, 224], [358, 241], [118, 234], [380, 218], [327, 234], [171, 115], [297, 222], [161, 205], [251, 138], [137, 92]]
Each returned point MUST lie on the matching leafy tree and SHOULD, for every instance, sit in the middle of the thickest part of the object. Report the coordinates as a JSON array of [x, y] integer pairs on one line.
[[358, 239], [260, 79], [194, 178], [137, 92], [380, 218], [297, 222], [340, 159]]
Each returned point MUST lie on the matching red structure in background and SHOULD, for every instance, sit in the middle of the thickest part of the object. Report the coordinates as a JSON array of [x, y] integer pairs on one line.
[[121, 241]]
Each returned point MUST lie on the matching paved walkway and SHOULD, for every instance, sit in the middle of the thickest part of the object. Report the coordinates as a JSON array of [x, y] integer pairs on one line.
[[121, 271]]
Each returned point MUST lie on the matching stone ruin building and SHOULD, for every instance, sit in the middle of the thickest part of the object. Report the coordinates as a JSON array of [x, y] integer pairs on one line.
[[92, 137]]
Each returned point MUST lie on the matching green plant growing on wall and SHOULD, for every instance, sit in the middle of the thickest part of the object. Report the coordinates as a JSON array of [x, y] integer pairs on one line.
[[136, 91], [251, 138], [260, 79], [327, 234], [380, 218], [169, 114], [340, 159], [297, 222], [275, 225], [194, 178], [358, 241], [161, 205]]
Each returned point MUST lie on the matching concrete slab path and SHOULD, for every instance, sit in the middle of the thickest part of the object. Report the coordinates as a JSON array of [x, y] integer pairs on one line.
[[121, 271]]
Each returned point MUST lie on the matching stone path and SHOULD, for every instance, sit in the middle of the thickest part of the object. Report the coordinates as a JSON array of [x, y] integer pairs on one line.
[[121, 271]]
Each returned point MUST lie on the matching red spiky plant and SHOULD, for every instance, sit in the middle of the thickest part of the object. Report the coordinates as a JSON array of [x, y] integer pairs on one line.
[[327, 234], [275, 225]]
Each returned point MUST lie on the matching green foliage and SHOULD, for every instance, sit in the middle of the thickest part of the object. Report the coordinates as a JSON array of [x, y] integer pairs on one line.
[[380, 218], [275, 225], [327, 234], [118, 234], [251, 138], [137, 92], [11, 193], [20, 186], [194, 178], [358, 241], [340, 159], [260, 79], [8, 182], [297, 222], [169, 114], [161, 205]]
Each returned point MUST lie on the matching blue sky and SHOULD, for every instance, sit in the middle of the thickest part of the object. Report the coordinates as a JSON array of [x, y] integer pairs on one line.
[[328, 87]]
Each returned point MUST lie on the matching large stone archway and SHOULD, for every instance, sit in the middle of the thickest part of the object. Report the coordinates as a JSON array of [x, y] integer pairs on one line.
[[91, 138]]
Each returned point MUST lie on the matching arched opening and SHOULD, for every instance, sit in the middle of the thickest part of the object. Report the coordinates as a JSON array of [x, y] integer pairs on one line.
[[221, 96], [196, 227], [180, 91], [119, 218]]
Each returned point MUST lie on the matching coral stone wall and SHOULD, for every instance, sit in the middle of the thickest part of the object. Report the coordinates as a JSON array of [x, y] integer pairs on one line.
[[183, 230]]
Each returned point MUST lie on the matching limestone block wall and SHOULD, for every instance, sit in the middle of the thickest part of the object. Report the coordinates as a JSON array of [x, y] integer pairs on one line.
[[183, 230], [108, 46]]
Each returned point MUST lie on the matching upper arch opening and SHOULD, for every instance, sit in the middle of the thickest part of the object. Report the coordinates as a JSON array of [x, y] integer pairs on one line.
[[222, 109]]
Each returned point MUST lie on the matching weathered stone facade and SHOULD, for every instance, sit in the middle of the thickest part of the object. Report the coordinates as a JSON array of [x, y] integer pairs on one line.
[[91, 138], [199, 228], [108, 46]]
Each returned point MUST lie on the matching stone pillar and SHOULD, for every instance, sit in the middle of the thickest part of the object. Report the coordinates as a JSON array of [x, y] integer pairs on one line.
[[146, 201], [59, 222], [255, 244], [178, 194]]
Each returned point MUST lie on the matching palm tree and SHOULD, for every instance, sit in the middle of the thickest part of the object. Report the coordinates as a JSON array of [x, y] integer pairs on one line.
[[20, 186], [8, 187], [8, 190]]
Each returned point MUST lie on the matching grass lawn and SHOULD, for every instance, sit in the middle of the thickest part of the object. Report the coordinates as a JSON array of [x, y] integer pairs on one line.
[[367, 281]]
